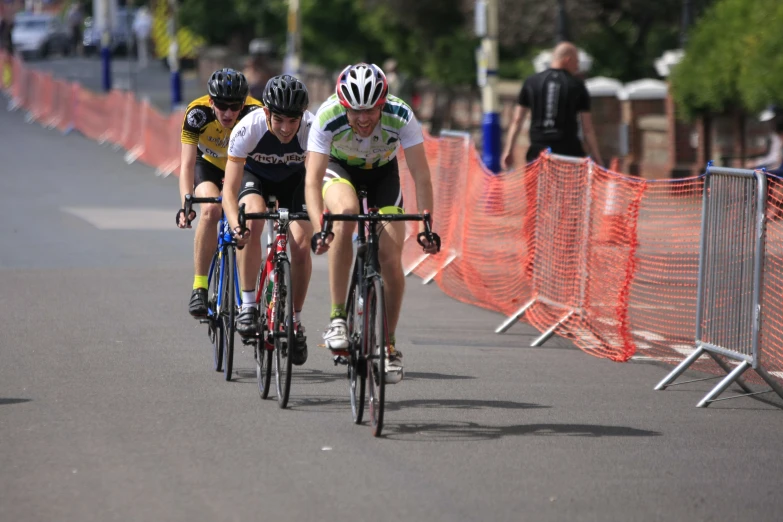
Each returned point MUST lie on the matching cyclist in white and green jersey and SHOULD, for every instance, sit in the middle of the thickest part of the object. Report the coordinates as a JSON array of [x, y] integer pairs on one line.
[[353, 143]]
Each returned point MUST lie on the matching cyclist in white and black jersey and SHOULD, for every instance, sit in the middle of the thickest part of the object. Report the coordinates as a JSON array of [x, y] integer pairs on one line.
[[266, 154], [354, 142]]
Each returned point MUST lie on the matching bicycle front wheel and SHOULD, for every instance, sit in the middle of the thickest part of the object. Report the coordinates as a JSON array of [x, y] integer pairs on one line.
[[263, 354], [283, 332], [375, 343], [356, 364], [228, 311], [213, 319]]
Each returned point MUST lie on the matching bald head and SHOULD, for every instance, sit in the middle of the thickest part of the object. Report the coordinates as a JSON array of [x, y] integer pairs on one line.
[[566, 56]]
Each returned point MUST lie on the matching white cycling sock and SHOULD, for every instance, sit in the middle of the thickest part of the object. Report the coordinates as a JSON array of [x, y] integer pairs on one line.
[[249, 299], [298, 317]]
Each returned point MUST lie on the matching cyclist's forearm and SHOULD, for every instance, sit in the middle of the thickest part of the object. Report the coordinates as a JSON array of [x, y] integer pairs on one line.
[[187, 170], [315, 204], [186, 176], [316, 164], [231, 186]]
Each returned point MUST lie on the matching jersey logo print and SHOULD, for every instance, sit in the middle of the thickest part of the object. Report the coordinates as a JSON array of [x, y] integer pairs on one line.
[[197, 118], [552, 99]]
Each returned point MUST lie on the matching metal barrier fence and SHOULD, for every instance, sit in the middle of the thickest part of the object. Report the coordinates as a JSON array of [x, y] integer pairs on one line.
[[562, 237], [731, 264]]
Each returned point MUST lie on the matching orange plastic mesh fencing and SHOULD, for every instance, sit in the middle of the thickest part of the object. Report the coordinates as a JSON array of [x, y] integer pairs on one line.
[[771, 341], [158, 149], [64, 101], [90, 114], [43, 96]]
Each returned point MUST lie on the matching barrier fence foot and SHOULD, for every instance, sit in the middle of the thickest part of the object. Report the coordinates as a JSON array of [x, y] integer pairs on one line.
[[722, 385], [514, 318], [546, 335], [771, 381], [679, 369], [415, 264], [133, 154], [726, 368], [427, 280]]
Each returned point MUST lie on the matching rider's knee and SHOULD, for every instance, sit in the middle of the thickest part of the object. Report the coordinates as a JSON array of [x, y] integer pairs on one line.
[[210, 213]]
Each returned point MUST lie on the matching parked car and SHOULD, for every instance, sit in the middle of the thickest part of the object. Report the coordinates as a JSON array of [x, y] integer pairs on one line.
[[40, 35], [122, 38]]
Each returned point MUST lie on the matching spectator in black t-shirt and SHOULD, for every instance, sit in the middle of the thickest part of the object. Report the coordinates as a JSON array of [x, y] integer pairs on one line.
[[554, 98]]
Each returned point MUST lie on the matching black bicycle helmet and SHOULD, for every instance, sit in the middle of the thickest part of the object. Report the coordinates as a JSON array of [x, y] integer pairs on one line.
[[228, 85], [286, 95]]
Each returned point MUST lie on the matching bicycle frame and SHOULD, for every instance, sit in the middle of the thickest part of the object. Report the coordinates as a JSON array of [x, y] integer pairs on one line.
[[274, 256], [277, 251], [224, 239]]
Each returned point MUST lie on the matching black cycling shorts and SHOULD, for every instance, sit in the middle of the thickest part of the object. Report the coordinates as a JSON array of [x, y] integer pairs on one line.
[[382, 183], [206, 171], [289, 192]]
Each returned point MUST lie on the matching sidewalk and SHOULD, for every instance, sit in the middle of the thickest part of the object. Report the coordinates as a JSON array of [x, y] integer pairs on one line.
[[154, 82]]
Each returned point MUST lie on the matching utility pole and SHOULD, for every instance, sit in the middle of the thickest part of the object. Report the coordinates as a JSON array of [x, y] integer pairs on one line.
[[293, 59], [487, 29], [687, 20], [176, 80], [106, 44], [563, 34]]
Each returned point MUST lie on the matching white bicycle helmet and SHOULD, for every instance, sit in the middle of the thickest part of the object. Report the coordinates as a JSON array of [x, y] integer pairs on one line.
[[362, 86]]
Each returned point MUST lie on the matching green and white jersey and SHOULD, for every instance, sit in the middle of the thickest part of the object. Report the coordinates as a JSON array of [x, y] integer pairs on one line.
[[331, 134]]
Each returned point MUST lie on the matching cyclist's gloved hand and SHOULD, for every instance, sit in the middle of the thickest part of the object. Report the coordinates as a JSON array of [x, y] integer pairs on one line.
[[185, 221], [241, 236], [320, 242], [430, 245]]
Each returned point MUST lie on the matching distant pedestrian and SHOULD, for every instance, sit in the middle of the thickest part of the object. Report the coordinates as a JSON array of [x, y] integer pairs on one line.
[[142, 28], [557, 101], [75, 19]]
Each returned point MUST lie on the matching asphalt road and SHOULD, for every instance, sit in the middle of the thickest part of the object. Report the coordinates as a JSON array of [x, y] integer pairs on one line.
[[109, 408]]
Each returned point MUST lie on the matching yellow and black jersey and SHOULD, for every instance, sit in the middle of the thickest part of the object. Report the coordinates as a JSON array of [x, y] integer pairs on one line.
[[201, 128]]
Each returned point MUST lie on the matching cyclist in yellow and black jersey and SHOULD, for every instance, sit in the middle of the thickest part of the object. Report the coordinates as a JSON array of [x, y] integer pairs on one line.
[[206, 130]]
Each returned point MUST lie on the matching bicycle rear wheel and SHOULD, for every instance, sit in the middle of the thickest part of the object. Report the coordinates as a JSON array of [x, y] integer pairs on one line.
[[284, 331], [356, 365], [375, 352], [213, 320], [228, 311], [263, 355]]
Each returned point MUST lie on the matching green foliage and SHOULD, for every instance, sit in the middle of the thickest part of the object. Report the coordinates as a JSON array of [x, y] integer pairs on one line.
[[733, 59], [761, 81]]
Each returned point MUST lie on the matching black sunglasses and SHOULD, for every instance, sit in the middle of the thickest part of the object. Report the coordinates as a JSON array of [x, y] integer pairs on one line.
[[223, 106]]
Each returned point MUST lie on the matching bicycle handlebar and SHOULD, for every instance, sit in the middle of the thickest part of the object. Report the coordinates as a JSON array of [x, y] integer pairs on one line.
[[328, 218], [187, 208], [284, 215]]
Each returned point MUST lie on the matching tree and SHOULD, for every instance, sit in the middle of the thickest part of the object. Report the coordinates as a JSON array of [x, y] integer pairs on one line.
[[729, 63]]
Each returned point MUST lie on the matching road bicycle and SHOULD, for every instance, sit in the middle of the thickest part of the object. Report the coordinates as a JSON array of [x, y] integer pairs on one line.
[[276, 336], [222, 303], [367, 329]]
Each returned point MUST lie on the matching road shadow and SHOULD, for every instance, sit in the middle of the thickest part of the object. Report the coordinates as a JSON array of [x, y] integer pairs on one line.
[[299, 376], [321, 404], [461, 404], [431, 376], [13, 401], [472, 431]]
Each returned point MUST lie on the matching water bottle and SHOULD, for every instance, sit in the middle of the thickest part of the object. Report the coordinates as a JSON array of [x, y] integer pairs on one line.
[[360, 305]]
